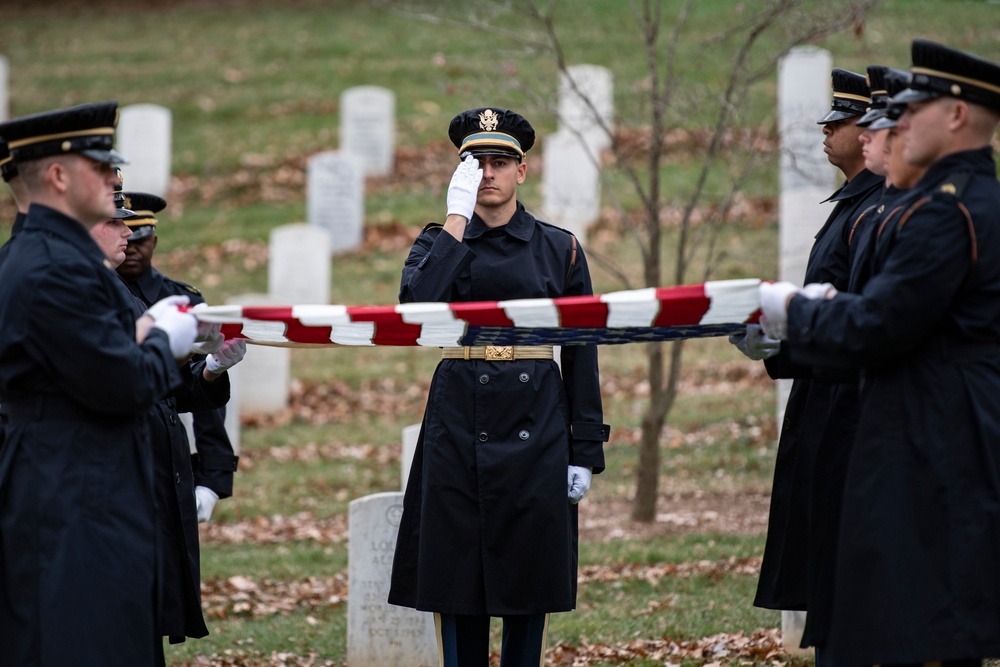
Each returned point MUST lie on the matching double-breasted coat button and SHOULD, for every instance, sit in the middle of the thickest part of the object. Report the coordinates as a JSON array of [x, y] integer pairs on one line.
[[177, 478], [484, 378], [484, 436], [173, 420], [523, 377], [523, 435]]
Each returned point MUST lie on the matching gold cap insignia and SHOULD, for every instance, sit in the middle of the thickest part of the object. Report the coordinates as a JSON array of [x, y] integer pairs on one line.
[[949, 188], [488, 120], [128, 202], [121, 176]]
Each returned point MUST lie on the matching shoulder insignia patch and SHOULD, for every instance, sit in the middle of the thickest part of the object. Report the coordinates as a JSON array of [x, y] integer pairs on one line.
[[190, 288]]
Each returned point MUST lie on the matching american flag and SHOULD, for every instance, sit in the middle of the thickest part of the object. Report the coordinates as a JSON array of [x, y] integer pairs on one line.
[[634, 316]]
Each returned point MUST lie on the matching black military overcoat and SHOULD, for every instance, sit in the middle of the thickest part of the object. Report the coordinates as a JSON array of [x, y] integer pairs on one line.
[[181, 613], [784, 582], [487, 527]]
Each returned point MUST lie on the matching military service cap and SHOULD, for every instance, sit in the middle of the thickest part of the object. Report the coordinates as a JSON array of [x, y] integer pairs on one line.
[[941, 71], [144, 207], [120, 210], [8, 170], [879, 95], [87, 129], [491, 131], [896, 80], [850, 96]]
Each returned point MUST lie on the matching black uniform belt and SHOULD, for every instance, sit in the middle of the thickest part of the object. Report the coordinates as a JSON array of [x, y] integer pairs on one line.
[[49, 407], [498, 352]]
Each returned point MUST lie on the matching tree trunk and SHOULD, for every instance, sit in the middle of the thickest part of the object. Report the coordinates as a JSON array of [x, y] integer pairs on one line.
[[661, 400]]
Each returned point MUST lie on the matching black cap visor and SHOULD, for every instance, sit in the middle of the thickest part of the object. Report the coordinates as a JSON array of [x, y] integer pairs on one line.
[[870, 117], [908, 95], [837, 114], [107, 157], [883, 123], [141, 232]]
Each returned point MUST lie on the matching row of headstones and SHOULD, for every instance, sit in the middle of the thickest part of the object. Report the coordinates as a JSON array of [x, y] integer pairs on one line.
[[335, 180]]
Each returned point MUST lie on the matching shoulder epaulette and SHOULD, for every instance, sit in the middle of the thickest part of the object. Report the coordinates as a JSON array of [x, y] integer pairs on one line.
[[432, 225], [955, 184]]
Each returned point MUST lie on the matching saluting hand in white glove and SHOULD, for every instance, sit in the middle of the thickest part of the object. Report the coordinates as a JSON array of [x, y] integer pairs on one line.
[[464, 188]]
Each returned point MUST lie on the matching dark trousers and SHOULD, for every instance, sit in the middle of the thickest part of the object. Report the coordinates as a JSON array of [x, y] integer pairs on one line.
[[464, 641]]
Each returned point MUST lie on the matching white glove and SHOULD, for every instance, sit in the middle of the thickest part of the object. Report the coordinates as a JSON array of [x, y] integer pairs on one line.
[[181, 329], [579, 483], [210, 345], [755, 344], [205, 499], [229, 354], [163, 305], [464, 188], [773, 298], [819, 291]]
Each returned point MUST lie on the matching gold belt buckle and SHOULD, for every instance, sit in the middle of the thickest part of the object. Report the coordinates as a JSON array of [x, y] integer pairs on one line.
[[499, 353]]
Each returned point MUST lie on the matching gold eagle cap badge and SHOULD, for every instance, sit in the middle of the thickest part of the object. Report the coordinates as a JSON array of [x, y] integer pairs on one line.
[[128, 202], [488, 120]]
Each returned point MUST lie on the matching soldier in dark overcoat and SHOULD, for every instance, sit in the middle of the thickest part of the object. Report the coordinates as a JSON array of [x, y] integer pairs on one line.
[[916, 578], [185, 485], [77, 540], [784, 578], [508, 443]]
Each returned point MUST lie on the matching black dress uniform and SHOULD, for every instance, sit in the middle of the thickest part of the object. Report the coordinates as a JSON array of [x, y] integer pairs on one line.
[[486, 527], [783, 582], [916, 577], [176, 472]]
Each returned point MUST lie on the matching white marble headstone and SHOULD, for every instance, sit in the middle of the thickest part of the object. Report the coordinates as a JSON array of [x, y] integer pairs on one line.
[[807, 178], [262, 380], [368, 127], [336, 198], [298, 268], [410, 435], [380, 634], [4, 89], [571, 184], [586, 104], [144, 138]]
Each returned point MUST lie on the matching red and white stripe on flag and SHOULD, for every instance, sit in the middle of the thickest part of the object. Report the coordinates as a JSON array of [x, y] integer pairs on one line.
[[710, 308]]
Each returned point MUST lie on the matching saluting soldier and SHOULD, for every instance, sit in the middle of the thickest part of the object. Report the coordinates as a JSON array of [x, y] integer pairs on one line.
[[507, 445], [186, 487], [916, 578], [77, 540], [784, 581]]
